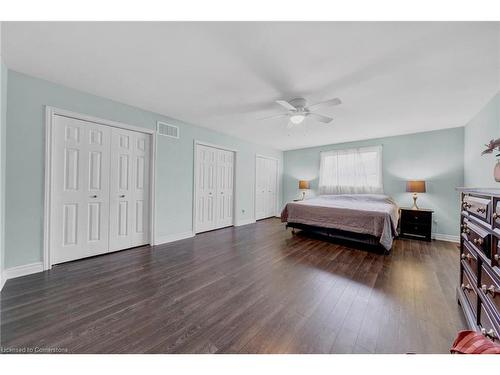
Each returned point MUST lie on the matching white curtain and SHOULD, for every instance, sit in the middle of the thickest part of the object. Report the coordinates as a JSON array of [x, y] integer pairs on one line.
[[352, 171]]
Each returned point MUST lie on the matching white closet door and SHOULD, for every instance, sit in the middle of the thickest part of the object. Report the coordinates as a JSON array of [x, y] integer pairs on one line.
[[225, 177], [260, 185], [80, 189], [129, 189], [272, 169], [206, 188], [266, 187]]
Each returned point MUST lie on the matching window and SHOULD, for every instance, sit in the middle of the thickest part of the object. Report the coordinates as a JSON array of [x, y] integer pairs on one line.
[[351, 171]]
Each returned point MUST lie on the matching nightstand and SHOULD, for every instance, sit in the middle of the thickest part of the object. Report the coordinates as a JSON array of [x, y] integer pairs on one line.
[[416, 224]]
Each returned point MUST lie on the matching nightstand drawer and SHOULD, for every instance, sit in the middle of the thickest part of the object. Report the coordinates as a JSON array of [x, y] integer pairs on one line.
[[416, 217]]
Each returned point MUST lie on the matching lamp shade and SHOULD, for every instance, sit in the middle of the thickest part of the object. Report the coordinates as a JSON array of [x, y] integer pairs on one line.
[[415, 186], [303, 184]]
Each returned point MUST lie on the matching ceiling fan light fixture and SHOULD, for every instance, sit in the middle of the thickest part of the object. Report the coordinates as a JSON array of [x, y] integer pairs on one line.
[[297, 119]]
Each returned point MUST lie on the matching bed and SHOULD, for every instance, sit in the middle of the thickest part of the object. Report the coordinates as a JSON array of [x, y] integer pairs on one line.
[[369, 218]]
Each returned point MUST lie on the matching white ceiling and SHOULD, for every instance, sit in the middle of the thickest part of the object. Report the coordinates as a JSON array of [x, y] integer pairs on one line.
[[393, 77]]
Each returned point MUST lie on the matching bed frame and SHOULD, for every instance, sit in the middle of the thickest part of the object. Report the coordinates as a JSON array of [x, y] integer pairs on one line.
[[360, 238]]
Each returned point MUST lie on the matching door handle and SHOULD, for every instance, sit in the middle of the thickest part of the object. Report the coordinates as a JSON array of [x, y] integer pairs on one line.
[[93, 196], [122, 196]]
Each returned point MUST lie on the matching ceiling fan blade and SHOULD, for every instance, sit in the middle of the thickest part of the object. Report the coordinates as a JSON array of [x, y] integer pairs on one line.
[[334, 101], [286, 105], [320, 118], [273, 116]]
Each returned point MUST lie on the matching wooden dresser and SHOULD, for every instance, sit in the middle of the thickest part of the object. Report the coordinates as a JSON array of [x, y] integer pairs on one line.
[[479, 288]]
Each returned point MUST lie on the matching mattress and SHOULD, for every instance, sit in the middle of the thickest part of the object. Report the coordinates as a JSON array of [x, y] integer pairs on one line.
[[373, 214]]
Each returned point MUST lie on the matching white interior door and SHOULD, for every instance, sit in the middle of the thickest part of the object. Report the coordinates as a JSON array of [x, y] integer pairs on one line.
[[214, 188], [206, 188], [225, 177], [260, 188], [272, 186], [80, 189], [266, 187], [129, 189]]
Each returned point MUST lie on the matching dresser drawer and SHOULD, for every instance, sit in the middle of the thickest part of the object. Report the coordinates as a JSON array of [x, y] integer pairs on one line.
[[496, 213], [469, 258], [495, 259], [490, 286], [477, 206], [467, 286], [487, 325], [477, 236]]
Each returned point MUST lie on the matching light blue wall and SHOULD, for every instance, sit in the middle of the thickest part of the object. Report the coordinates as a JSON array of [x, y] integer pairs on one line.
[[27, 97], [436, 157], [478, 169]]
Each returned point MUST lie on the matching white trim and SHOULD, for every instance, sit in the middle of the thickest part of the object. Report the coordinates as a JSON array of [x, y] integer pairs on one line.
[[446, 237], [2, 281], [197, 142], [244, 222], [26, 269], [50, 112], [195, 169], [173, 237], [278, 186]]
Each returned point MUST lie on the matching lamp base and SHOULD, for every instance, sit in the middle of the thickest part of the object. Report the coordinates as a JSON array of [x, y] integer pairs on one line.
[[415, 207], [303, 195]]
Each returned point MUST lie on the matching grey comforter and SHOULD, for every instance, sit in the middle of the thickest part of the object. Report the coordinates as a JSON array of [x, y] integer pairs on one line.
[[360, 213]]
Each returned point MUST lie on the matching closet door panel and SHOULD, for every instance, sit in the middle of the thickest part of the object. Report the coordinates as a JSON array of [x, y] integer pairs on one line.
[[225, 170], [206, 188], [139, 190], [80, 189], [266, 187], [129, 189], [260, 206]]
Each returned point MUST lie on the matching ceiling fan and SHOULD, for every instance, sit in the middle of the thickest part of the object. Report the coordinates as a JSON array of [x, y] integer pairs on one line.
[[298, 110]]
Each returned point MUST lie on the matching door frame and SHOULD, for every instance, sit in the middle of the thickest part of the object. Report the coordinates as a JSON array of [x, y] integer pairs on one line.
[[195, 179], [50, 113], [278, 187]]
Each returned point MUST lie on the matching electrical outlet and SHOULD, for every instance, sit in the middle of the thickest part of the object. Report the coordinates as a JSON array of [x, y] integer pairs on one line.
[[242, 211]]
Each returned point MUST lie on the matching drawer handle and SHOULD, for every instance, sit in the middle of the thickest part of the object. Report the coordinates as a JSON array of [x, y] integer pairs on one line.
[[496, 257], [466, 205], [491, 334], [481, 209], [464, 226], [466, 287], [466, 231], [491, 290], [468, 257], [495, 216], [478, 241]]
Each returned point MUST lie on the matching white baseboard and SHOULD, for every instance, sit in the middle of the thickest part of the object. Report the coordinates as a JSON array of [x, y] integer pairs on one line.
[[2, 282], [18, 271], [244, 222], [173, 237], [445, 237]]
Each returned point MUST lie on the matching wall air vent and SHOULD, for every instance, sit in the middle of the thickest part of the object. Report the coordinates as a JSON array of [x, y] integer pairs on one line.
[[172, 131]]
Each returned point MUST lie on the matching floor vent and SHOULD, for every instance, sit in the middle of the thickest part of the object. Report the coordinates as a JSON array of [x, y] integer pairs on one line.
[[162, 128]]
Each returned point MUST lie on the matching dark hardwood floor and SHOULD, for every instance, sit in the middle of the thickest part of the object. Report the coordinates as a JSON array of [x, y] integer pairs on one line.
[[252, 289]]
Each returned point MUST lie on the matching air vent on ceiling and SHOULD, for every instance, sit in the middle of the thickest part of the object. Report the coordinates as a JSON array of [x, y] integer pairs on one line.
[[167, 130]]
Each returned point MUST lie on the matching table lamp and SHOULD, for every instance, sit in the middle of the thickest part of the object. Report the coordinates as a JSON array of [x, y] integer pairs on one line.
[[415, 186]]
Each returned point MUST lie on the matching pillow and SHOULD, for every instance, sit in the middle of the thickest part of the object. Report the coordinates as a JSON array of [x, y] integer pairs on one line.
[[472, 342]]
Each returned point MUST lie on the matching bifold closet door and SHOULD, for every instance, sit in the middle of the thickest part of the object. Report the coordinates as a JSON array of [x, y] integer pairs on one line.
[[214, 188], [129, 189], [225, 179], [266, 173], [79, 215]]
